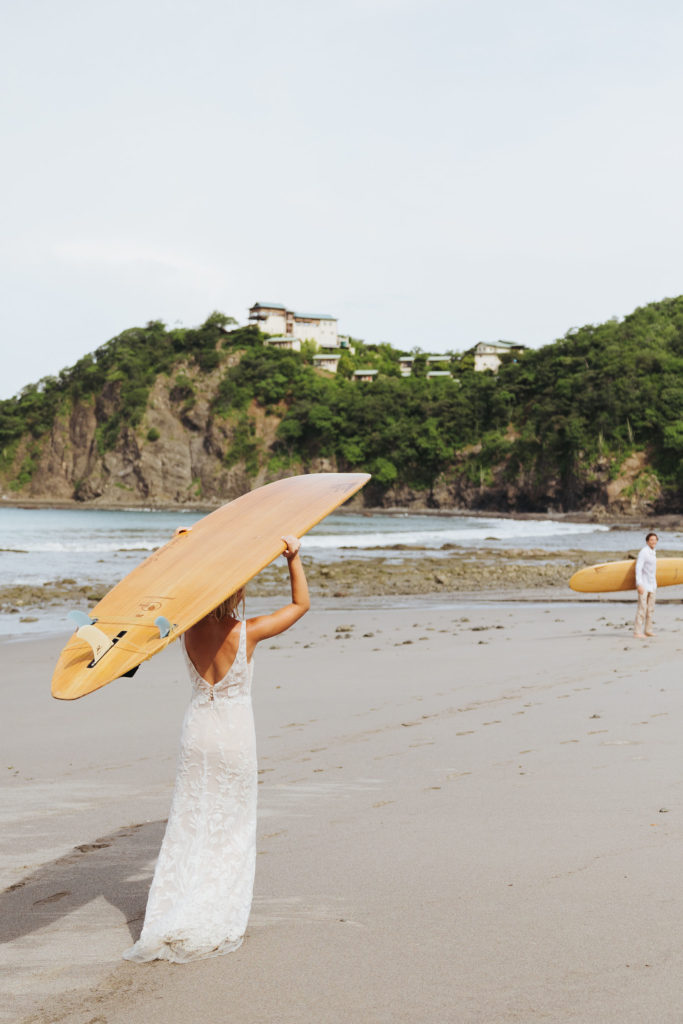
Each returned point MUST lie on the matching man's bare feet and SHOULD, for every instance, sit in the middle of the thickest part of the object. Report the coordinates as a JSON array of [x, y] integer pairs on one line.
[[650, 634], [638, 636]]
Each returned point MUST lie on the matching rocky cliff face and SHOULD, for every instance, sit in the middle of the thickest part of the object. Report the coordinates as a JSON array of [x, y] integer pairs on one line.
[[176, 455], [597, 487], [181, 453]]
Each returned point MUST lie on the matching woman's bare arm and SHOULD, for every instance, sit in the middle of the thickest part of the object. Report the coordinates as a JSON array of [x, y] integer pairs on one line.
[[264, 626]]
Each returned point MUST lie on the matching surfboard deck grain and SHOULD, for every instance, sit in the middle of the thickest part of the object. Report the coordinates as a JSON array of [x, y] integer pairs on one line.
[[612, 576], [191, 574]]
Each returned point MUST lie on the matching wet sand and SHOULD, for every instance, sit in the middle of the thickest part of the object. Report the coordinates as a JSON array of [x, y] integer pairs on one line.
[[469, 812]]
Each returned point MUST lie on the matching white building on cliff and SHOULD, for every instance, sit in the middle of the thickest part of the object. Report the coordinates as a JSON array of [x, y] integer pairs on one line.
[[488, 354], [274, 318]]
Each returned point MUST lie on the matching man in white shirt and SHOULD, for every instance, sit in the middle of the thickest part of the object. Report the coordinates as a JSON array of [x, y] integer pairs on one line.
[[646, 584]]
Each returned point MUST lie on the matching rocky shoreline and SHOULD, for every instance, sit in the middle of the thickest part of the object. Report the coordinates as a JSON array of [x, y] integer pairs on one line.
[[454, 570]]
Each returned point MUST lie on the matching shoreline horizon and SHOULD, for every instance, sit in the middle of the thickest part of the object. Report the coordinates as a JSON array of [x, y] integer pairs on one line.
[[599, 515]]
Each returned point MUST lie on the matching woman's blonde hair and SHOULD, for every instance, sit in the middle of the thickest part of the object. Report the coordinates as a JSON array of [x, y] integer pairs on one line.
[[226, 608]]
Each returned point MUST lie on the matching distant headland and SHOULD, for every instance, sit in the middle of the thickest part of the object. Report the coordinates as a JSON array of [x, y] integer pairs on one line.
[[195, 416]]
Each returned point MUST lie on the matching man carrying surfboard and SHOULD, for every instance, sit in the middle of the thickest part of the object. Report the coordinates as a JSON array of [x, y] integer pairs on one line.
[[646, 585]]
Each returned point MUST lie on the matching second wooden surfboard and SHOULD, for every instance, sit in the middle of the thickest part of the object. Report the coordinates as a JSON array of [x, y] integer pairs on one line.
[[611, 576]]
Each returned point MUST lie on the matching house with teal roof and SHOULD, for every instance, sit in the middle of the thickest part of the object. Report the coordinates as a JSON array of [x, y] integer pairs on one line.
[[275, 319]]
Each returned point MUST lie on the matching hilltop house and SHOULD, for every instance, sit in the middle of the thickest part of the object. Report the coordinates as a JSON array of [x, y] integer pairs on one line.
[[326, 361], [436, 366], [282, 341], [274, 318], [487, 354]]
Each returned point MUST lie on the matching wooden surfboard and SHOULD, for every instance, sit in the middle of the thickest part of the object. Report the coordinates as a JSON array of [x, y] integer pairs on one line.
[[608, 576], [189, 576]]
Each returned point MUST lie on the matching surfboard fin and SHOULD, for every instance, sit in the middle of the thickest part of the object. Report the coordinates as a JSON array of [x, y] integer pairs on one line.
[[98, 641], [81, 619], [163, 625]]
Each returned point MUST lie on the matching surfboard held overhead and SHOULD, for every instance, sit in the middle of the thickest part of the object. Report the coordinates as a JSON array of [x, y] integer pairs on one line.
[[189, 576]]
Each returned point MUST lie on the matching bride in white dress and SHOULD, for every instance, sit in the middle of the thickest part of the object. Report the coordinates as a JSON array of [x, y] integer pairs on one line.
[[200, 897]]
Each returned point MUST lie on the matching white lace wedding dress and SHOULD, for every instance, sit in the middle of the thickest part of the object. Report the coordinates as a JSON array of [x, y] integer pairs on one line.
[[201, 893]]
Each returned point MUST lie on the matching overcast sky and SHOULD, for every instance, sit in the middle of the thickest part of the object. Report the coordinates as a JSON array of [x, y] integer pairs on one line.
[[433, 173]]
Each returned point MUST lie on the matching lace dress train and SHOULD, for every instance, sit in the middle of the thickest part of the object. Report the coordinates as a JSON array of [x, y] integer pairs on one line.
[[201, 893]]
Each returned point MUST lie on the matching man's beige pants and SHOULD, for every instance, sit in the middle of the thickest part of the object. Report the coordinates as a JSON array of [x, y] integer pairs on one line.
[[646, 612]]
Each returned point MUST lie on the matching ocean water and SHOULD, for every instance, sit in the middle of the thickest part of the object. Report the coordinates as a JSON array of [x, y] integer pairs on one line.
[[43, 545]]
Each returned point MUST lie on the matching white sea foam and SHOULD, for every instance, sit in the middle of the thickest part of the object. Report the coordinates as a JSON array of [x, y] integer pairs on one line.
[[86, 545], [473, 532]]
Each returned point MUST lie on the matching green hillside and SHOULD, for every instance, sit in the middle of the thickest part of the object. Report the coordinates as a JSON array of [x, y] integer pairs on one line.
[[553, 429]]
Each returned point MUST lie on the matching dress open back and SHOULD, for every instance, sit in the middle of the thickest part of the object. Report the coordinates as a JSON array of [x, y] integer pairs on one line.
[[201, 893]]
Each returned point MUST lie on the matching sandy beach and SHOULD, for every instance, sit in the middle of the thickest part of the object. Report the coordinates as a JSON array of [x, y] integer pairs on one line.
[[470, 812]]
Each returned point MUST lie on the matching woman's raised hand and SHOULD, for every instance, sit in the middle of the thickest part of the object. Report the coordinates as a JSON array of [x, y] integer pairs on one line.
[[293, 544]]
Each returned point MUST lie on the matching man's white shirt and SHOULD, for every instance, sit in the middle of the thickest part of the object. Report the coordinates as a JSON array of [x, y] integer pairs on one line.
[[646, 568]]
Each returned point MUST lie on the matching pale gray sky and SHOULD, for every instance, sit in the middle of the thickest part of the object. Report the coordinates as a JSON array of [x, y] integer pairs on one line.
[[433, 173]]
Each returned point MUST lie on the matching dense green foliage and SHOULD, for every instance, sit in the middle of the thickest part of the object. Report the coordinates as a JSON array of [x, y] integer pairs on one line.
[[400, 430], [603, 390], [590, 398], [118, 375]]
